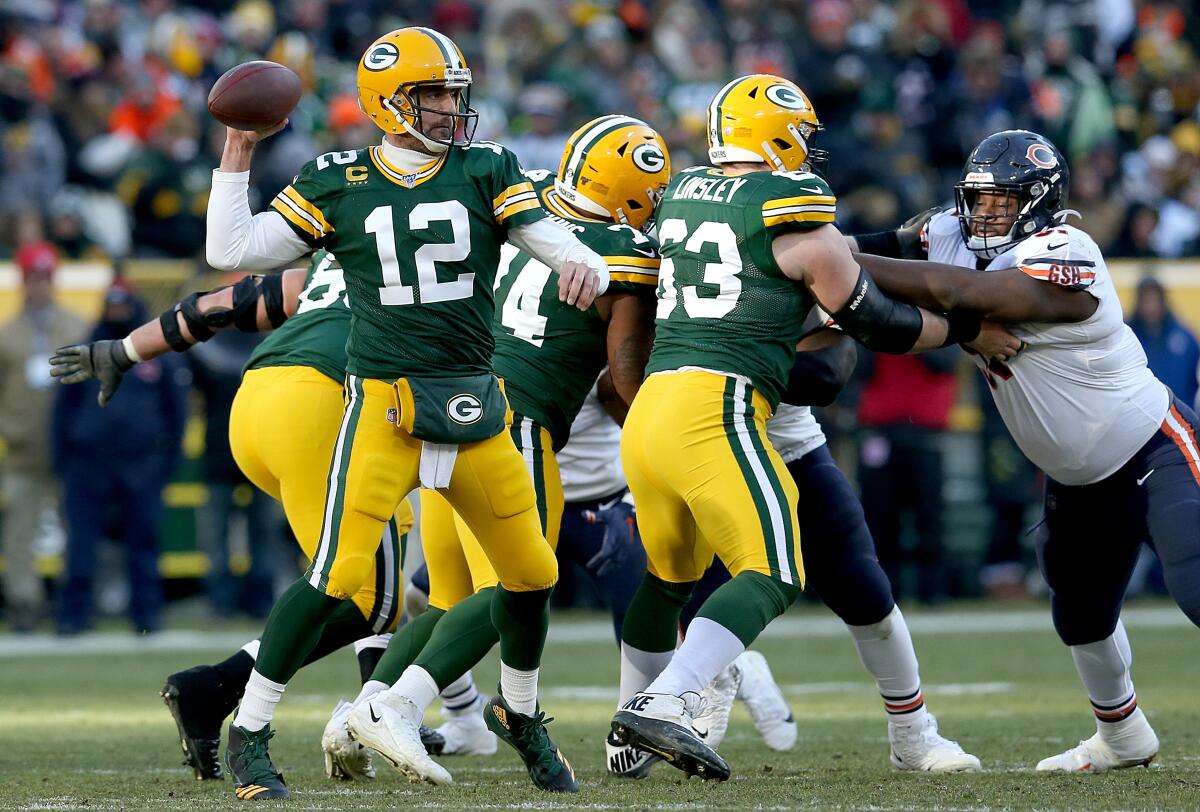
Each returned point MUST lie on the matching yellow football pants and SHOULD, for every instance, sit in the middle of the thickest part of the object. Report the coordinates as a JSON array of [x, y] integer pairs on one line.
[[375, 463], [458, 567], [282, 430], [706, 479]]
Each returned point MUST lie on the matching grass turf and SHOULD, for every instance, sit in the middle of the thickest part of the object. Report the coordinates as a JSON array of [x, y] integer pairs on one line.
[[90, 732]]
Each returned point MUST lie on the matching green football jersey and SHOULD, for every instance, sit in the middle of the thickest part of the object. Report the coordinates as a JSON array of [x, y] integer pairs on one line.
[[418, 251], [316, 336], [549, 353], [723, 303]]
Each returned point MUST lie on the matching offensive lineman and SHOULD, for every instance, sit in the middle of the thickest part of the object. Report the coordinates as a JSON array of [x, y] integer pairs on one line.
[[1118, 448], [417, 223], [747, 246]]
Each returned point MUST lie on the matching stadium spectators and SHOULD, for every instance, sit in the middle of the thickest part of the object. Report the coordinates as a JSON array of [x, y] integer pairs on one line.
[[96, 93], [113, 463], [904, 411], [1171, 348], [29, 487]]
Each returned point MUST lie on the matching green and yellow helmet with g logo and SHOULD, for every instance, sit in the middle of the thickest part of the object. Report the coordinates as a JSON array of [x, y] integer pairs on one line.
[[763, 118], [395, 68], [614, 166]]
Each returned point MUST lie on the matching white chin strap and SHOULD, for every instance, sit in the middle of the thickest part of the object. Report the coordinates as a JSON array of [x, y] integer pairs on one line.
[[431, 145]]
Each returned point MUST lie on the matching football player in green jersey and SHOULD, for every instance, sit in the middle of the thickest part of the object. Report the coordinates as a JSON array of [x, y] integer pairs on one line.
[[283, 424], [748, 247], [417, 223], [548, 354]]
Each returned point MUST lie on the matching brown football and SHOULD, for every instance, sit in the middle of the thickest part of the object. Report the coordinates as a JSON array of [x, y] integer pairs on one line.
[[254, 95]]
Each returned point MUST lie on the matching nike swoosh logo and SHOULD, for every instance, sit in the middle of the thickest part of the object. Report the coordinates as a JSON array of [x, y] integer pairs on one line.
[[646, 252], [1147, 476], [816, 190], [1055, 247], [371, 709]]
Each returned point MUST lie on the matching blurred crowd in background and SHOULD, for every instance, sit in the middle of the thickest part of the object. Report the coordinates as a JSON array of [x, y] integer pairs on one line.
[[106, 144], [106, 150]]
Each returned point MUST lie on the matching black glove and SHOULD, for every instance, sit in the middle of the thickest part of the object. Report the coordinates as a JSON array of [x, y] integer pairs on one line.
[[106, 361], [909, 234], [620, 532]]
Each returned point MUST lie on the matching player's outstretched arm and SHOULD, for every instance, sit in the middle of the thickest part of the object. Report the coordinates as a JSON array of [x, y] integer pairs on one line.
[[237, 239], [821, 260], [903, 243], [1008, 295], [254, 304], [582, 273]]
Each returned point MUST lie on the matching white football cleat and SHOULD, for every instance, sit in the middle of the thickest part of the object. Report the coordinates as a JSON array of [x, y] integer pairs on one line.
[[769, 710], [1138, 747], [921, 748], [718, 696], [465, 732], [345, 759], [662, 724], [390, 724], [625, 761]]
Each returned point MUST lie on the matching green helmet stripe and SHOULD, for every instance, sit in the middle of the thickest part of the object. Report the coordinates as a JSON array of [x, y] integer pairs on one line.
[[714, 114], [579, 151], [449, 51]]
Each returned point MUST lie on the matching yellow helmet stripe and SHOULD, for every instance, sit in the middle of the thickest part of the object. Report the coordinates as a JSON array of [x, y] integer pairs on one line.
[[714, 113], [587, 140], [446, 45]]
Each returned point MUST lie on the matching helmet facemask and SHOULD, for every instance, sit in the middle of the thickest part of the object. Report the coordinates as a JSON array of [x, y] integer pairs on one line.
[[984, 232], [405, 105]]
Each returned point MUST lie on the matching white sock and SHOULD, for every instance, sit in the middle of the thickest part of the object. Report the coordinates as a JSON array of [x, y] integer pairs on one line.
[[461, 693], [416, 684], [258, 703], [369, 689], [1103, 668], [886, 651], [251, 648], [639, 668], [705, 652], [374, 641], [519, 689]]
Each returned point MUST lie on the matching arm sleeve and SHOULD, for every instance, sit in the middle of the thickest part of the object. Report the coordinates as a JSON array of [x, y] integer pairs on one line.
[[554, 246], [238, 240]]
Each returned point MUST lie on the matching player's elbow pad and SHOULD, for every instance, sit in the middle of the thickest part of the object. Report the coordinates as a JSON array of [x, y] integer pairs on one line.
[[817, 377], [877, 321]]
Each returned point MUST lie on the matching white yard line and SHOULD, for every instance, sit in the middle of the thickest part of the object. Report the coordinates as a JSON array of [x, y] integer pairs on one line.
[[797, 626]]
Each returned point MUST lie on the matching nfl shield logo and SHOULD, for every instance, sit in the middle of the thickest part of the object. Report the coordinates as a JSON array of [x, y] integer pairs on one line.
[[391, 416]]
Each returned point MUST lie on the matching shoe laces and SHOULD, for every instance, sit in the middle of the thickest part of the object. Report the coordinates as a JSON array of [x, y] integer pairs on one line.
[[257, 759], [533, 737]]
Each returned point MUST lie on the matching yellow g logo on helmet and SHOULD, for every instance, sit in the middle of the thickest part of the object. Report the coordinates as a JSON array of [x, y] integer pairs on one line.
[[763, 119], [614, 167], [395, 68]]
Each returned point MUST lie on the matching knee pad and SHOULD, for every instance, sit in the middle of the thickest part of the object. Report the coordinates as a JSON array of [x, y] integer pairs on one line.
[[348, 573]]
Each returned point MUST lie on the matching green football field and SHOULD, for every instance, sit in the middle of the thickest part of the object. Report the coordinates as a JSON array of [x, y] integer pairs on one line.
[[82, 727]]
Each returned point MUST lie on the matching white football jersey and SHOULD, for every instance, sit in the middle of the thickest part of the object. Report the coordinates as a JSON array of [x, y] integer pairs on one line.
[[590, 462], [794, 431], [1079, 400]]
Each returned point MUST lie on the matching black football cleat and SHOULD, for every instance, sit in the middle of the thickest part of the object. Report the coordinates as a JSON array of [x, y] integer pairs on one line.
[[199, 703], [247, 758], [548, 768], [434, 742]]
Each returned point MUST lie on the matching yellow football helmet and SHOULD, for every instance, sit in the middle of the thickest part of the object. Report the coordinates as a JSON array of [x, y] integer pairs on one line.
[[614, 166], [763, 118], [394, 69]]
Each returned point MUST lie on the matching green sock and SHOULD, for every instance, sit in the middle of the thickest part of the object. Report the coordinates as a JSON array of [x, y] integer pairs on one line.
[[461, 640], [652, 620], [293, 629], [343, 627], [521, 619], [747, 603], [405, 645]]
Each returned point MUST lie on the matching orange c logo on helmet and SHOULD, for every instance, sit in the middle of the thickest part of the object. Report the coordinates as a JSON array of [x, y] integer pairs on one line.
[[1041, 156]]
